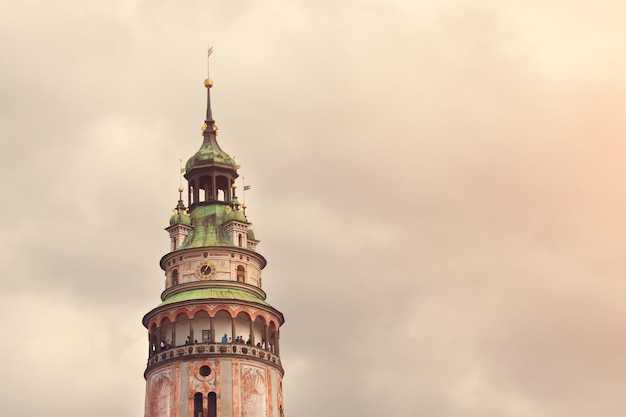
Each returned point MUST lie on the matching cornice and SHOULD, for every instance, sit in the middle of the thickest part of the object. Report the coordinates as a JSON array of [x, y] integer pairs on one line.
[[224, 301], [213, 284], [235, 249]]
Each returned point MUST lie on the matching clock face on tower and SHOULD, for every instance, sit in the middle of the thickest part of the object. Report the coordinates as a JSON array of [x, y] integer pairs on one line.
[[205, 270]]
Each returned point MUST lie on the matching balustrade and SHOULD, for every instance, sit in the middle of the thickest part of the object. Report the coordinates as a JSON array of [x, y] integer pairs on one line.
[[214, 349]]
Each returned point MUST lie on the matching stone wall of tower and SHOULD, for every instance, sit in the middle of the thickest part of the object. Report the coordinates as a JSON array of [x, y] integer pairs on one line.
[[244, 388], [225, 259]]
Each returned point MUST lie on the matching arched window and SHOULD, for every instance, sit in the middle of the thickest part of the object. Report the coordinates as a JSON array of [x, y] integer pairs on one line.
[[153, 345], [204, 186], [241, 274], [240, 238], [175, 277], [222, 186], [197, 404], [212, 406]]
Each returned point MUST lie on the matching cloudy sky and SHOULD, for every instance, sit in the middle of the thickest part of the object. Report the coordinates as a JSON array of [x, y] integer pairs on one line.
[[438, 187]]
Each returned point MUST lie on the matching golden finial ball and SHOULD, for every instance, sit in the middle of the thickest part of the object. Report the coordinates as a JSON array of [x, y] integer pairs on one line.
[[180, 189], [208, 83], [243, 206]]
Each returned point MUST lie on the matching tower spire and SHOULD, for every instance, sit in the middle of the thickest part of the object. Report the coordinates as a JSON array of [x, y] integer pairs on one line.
[[210, 171], [208, 83]]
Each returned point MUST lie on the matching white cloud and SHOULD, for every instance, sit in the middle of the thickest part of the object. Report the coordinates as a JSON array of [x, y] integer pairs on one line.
[[437, 187]]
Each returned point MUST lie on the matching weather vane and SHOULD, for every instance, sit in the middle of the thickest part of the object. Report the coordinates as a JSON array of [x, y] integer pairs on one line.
[[210, 51], [180, 177], [182, 171]]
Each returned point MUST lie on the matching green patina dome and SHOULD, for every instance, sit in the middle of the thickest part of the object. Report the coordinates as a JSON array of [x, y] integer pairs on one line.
[[210, 154], [237, 215], [213, 293], [180, 218]]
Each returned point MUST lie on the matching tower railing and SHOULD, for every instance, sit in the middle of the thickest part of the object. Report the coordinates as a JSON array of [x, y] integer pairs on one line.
[[215, 349]]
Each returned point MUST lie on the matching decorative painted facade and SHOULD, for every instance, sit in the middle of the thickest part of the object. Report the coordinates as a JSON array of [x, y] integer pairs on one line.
[[213, 340]]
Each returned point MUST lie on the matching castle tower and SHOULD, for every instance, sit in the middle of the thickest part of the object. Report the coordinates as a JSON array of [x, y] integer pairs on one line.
[[213, 340]]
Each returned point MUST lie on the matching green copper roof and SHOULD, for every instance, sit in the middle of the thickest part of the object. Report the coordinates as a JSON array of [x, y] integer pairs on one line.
[[217, 293], [235, 215], [207, 226], [180, 218], [210, 154]]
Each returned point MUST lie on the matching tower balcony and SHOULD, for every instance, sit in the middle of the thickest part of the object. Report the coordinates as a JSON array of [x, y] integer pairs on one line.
[[237, 350]]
